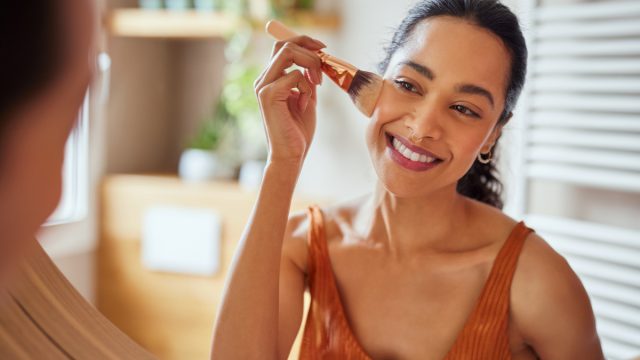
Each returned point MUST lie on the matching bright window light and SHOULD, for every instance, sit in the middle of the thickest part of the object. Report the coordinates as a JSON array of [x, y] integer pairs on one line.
[[74, 202]]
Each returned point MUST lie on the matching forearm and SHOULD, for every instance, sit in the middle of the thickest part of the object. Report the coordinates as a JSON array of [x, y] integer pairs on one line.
[[247, 322]]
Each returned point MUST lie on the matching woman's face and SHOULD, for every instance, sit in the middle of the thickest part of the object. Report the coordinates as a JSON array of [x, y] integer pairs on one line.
[[444, 92]]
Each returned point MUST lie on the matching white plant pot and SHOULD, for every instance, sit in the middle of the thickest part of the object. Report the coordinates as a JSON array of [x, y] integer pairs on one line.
[[202, 165]]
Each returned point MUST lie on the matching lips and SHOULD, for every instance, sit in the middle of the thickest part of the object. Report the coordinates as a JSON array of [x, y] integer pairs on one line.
[[410, 157], [412, 147]]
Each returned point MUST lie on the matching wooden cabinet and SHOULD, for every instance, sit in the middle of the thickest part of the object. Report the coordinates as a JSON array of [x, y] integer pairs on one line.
[[171, 315]]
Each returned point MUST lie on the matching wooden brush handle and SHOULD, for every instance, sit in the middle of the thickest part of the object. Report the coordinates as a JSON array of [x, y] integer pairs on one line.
[[279, 31]]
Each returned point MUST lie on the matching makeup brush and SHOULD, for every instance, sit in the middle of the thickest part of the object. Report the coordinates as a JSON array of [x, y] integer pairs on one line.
[[363, 87]]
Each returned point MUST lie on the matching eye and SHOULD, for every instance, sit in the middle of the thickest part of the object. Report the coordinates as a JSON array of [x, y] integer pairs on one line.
[[465, 111], [406, 86]]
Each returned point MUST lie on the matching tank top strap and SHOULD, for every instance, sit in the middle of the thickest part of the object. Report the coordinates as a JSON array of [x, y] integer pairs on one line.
[[508, 256], [494, 300], [316, 240], [490, 317], [327, 333]]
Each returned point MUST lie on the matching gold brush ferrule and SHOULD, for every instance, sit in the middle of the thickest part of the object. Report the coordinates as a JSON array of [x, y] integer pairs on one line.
[[341, 72]]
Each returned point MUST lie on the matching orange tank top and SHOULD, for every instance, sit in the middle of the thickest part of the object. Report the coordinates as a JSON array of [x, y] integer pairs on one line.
[[327, 334]]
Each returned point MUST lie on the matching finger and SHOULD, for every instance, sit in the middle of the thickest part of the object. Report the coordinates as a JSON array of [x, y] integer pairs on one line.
[[305, 87], [292, 101], [280, 89], [307, 74], [289, 55], [258, 82], [304, 41], [314, 89]]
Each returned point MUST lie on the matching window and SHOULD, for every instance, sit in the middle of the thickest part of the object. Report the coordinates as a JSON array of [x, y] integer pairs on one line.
[[579, 153], [74, 202]]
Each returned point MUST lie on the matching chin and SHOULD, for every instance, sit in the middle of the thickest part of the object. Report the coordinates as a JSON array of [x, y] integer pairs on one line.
[[402, 187], [400, 191]]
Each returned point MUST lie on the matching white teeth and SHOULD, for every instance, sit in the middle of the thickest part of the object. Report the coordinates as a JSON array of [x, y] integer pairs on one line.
[[413, 156]]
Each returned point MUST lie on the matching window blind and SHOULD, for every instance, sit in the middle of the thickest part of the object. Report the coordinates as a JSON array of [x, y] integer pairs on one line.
[[580, 127], [74, 199]]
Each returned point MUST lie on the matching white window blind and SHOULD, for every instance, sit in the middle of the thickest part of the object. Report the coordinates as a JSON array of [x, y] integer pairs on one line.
[[74, 201], [580, 128]]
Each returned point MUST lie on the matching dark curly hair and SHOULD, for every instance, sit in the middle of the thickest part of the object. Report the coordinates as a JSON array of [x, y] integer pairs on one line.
[[481, 182]]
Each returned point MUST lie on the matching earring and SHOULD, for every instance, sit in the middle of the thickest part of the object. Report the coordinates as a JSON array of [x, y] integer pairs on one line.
[[487, 159]]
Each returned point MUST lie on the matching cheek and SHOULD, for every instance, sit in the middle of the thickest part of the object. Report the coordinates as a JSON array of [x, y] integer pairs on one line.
[[31, 193], [465, 145], [469, 143], [39, 175], [52, 188], [45, 186], [391, 106]]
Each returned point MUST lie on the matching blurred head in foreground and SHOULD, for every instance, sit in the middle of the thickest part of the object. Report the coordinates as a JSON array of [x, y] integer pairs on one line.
[[44, 74]]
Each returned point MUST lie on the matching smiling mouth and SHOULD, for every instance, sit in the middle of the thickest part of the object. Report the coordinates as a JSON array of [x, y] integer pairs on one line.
[[414, 154]]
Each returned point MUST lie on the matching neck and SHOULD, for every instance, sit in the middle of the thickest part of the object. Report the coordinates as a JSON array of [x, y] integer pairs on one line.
[[406, 227]]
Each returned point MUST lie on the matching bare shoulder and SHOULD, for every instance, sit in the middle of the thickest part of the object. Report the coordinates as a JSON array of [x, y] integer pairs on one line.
[[549, 305], [294, 246], [337, 220], [490, 223]]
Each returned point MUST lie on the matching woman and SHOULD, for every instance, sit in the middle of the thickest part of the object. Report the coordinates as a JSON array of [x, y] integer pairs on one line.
[[47, 52], [45, 72], [427, 266]]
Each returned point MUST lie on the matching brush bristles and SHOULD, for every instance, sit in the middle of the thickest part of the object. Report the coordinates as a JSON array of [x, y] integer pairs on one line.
[[365, 90]]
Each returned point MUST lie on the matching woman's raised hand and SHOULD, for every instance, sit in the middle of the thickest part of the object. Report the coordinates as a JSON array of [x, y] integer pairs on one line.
[[288, 99]]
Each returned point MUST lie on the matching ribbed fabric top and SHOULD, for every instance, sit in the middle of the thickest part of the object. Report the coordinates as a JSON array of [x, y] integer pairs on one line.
[[327, 334]]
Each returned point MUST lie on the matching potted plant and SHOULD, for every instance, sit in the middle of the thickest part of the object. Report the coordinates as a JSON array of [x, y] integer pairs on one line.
[[233, 134], [244, 109], [202, 160]]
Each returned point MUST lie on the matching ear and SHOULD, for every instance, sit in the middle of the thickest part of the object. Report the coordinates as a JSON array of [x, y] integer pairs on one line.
[[495, 134]]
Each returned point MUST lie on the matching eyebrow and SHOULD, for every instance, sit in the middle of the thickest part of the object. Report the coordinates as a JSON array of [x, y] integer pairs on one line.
[[462, 88], [421, 69], [475, 90]]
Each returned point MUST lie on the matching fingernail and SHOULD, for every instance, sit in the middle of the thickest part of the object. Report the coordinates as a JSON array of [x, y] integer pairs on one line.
[[317, 78], [313, 76], [320, 43]]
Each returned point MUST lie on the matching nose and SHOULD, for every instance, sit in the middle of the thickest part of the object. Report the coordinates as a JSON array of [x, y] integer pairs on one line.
[[424, 123]]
